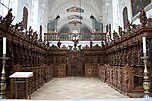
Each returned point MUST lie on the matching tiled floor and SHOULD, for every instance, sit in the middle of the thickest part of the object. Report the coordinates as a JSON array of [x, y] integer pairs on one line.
[[75, 88]]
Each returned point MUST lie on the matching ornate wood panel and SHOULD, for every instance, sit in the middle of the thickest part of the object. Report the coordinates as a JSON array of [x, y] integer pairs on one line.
[[74, 62]]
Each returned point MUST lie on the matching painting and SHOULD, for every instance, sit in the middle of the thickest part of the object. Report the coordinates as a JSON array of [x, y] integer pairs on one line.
[[138, 4], [75, 22], [75, 17], [75, 9]]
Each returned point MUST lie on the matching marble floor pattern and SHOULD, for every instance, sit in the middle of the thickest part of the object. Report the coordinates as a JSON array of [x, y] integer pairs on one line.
[[71, 88]]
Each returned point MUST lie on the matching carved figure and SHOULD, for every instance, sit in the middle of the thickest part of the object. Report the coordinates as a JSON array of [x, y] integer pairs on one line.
[[30, 31], [59, 43], [79, 47], [8, 18], [143, 17], [35, 37], [91, 44], [115, 35], [44, 39], [120, 31], [128, 26], [75, 42]]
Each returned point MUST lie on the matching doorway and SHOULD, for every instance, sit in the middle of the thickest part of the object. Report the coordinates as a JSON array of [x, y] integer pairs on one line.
[[74, 64]]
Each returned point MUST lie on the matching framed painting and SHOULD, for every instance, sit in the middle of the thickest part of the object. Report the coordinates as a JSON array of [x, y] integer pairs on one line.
[[138, 4]]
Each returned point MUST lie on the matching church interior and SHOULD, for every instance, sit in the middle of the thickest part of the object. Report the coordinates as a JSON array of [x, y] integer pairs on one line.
[[48, 46]]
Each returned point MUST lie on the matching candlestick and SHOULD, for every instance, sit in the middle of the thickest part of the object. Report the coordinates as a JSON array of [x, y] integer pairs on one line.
[[3, 78], [144, 44], [146, 79], [4, 45]]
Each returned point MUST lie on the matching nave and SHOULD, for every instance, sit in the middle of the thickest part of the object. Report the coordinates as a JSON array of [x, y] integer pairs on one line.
[[105, 39], [73, 88]]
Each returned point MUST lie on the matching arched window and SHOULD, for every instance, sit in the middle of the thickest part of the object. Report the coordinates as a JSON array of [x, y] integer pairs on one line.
[[125, 17], [25, 17]]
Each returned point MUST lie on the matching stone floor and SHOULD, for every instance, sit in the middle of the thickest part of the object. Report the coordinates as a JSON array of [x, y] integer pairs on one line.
[[75, 88]]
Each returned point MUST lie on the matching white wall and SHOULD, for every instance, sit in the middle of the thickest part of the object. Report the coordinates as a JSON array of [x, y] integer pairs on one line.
[[43, 16], [116, 14], [21, 5], [107, 14], [9, 4], [32, 6], [135, 20]]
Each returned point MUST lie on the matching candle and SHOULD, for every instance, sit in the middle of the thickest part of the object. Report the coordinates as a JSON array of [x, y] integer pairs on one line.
[[144, 44], [4, 45]]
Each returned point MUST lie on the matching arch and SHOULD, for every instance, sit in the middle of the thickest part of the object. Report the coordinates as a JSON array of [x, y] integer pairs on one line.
[[125, 17], [82, 25], [25, 17], [60, 8], [84, 21]]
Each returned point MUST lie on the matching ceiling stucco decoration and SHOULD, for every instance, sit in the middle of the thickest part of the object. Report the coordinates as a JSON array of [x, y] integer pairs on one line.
[[75, 9], [75, 22], [75, 17], [66, 8]]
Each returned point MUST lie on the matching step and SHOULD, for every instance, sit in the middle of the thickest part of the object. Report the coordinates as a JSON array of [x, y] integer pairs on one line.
[[138, 89]]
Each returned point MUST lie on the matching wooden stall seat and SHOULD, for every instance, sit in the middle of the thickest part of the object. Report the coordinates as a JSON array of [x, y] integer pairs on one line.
[[119, 78], [41, 75]]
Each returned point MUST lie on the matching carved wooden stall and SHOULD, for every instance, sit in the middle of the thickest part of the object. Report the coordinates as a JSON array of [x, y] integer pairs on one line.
[[92, 57], [26, 53], [126, 50], [119, 78], [59, 60]]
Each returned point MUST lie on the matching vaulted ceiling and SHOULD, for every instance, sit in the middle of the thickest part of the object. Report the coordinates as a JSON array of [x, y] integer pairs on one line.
[[59, 7]]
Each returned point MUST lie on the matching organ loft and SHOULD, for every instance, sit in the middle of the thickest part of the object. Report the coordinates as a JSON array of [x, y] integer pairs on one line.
[[110, 40]]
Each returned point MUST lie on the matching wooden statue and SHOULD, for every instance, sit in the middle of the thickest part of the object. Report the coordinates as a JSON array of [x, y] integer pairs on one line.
[[30, 31], [79, 47], [75, 42], [44, 38], [128, 29], [115, 35], [35, 37], [120, 31], [91, 44], [59, 43], [8, 18], [143, 17]]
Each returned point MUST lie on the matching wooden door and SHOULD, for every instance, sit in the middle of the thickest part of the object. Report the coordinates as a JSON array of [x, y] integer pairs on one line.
[[74, 62]]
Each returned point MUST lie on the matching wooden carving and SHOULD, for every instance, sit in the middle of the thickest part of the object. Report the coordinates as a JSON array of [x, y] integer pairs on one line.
[[143, 17], [7, 20]]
